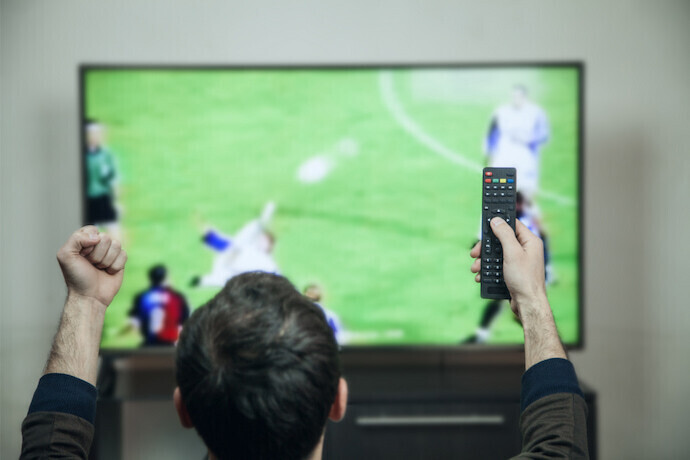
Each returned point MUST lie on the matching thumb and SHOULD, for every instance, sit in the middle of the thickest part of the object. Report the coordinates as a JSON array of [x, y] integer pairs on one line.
[[505, 234], [85, 237]]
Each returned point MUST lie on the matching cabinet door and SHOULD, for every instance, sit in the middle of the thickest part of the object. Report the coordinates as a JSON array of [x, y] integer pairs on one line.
[[425, 431]]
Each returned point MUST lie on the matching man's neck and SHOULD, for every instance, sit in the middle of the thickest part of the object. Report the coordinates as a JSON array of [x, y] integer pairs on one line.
[[315, 455]]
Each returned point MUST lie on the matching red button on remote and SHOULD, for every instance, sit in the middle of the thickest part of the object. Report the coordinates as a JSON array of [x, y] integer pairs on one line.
[[488, 181], [488, 173]]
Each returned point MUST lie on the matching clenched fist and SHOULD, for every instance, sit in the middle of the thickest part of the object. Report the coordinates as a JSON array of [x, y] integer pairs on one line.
[[92, 264]]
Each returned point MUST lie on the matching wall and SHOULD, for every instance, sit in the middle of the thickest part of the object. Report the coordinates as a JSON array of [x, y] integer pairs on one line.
[[637, 168]]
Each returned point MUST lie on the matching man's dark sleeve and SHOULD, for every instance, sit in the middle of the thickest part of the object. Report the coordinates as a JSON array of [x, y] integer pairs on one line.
[[554, 413], [60, 422]]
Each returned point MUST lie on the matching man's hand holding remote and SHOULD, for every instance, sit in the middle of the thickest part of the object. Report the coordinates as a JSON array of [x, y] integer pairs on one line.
[[523, 271]]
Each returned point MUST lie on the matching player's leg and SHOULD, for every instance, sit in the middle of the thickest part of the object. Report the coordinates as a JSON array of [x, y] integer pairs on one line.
[[483, 332]]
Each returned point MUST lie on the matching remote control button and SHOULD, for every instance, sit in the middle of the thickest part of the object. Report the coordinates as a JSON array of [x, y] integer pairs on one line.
[[498, 211], [486, 208], [503, 193], [495, 181], [488, 173], [487, 194], [510, 187], [503, 181], [488, 260], [498, 250], [510, 181], [510, 173], [498, 261], [497, 274], [495, 187], [488, 181], [495, 193], [497, 281], [488, 187], [503, 187], [497, 267]]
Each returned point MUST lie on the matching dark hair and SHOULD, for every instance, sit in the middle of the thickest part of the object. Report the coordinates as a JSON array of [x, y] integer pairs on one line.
[[157, 275], [258, 370]]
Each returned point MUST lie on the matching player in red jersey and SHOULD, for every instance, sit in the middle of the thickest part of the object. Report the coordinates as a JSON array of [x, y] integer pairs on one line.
[[159, 311]]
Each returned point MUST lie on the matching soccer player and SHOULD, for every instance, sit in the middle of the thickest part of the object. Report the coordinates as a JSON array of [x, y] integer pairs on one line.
[[159, 312], [314, 293], [516, 134], [101, 179], [251, 249]]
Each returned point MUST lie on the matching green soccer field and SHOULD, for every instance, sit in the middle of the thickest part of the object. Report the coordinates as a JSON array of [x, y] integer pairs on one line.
[[386, 232]]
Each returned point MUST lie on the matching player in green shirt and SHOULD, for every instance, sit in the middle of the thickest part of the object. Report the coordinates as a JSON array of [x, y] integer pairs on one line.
[[100, 181]]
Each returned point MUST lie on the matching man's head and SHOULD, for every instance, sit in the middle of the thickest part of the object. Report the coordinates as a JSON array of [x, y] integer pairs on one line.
[[519, 95], [94, 135], [157, 275], [258, 372]]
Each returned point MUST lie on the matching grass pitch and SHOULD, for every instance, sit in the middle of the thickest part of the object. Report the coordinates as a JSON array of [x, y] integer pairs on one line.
[[386, 232]]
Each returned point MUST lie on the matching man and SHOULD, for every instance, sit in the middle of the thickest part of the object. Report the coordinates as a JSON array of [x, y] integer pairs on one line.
[[516, 134], [251, 249], [314, 293], [100, 180], [257, 367], [159, 312]]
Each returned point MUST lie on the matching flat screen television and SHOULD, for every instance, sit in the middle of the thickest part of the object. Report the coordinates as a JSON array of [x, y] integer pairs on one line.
[[361, 184]]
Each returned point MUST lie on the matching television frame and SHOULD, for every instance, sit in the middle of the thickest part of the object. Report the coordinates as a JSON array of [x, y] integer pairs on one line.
[[383, 353]]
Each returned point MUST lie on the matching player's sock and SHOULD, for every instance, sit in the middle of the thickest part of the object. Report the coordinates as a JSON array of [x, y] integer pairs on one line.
[[482, 334]]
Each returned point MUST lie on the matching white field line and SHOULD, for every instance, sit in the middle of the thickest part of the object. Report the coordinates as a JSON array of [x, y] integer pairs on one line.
[[398, 113]]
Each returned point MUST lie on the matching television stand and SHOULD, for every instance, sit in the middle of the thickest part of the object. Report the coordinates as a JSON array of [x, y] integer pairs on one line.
[[468, 410], [401, 405]]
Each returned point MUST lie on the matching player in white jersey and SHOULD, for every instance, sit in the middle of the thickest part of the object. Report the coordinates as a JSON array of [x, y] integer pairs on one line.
[[251, 249], [516, 134]]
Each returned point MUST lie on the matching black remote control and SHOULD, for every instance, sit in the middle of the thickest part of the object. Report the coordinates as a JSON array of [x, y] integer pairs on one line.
[[499, 187]]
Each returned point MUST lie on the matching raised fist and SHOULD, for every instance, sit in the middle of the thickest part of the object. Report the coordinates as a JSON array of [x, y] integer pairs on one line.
[[92, 264]]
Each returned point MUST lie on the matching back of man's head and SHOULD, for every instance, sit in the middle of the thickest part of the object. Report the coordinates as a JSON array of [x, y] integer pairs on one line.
[[258, 370]]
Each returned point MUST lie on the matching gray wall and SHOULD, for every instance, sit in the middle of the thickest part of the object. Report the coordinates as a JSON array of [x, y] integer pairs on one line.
[[637, 168]]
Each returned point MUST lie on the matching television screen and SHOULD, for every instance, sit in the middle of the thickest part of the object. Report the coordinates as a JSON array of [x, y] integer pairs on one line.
[[362, 185]]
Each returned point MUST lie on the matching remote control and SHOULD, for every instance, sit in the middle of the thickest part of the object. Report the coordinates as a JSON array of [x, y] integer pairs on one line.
[[499, 187]]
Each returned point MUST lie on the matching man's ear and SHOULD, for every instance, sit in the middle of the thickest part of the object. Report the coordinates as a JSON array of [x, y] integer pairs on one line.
[[340, 404], [181, 409]]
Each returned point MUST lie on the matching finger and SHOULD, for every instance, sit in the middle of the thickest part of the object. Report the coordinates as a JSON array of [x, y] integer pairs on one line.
[[86, 237], [476, 250], [119, 263], [524, 235], [504, 234], [111, 255], [476, 266], [478, 278], [100, 250]]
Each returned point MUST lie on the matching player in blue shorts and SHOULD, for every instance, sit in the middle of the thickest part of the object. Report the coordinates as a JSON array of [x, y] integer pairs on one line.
[[314, 293]]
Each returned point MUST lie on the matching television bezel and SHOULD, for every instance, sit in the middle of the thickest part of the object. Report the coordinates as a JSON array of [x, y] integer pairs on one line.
[[381, 353]]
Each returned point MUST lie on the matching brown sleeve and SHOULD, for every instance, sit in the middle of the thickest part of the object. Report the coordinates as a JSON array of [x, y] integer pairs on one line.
[[555, 426], [55, 435]]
